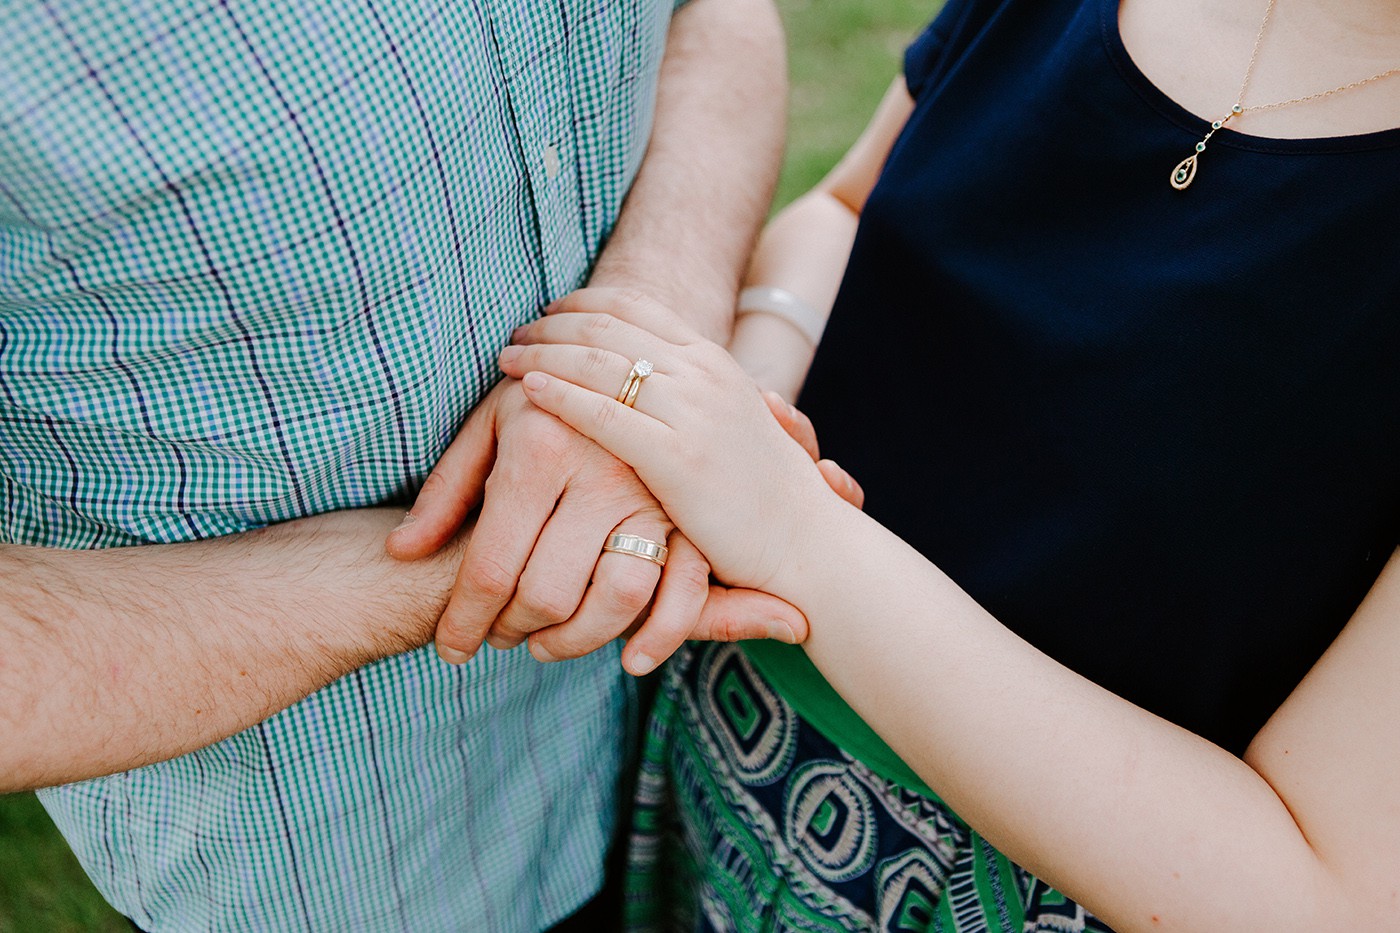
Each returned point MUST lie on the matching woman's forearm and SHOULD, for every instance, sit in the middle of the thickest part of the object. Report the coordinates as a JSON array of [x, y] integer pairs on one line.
[[803, 250], [1146, 824]]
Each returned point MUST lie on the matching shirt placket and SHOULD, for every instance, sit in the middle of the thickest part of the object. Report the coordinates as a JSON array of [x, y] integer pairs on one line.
[[540, 84]]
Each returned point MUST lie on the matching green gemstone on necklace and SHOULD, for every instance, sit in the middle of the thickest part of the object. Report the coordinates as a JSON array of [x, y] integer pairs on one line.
[[1216, 125], [1237, 109], [1200, 147]]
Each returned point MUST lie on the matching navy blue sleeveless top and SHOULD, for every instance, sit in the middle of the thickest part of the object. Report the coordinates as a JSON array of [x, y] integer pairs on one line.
[[1154, 432]]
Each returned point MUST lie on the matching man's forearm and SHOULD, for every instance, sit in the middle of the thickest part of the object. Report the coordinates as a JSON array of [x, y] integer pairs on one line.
[[689, 224], [118, 658]]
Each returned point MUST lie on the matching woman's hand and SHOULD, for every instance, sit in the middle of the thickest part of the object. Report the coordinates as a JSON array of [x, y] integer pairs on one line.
[[700, 436], [799, 427]]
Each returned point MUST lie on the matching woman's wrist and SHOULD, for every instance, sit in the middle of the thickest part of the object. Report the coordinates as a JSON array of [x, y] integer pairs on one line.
[[772, 301], [770, 350], [826, 531]]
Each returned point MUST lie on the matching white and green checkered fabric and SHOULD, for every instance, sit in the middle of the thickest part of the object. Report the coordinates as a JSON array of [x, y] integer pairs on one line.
[[256, 260]]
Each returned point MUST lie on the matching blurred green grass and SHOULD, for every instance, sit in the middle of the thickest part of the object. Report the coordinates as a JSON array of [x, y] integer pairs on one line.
[[42, 889], [842, 56]]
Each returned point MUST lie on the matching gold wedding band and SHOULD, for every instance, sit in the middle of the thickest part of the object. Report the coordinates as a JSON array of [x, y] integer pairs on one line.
[[637, 546], [628, 396]]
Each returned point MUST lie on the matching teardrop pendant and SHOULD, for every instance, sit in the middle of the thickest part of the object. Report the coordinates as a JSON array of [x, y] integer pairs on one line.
[[1184, 173]]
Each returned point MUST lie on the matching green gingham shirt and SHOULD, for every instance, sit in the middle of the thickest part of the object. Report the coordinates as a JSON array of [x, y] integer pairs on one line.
[[256, 259]]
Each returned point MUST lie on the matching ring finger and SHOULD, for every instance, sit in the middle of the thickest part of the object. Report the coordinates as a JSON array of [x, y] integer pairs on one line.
[[622, 588], [601, 371], [593, 330], [555, 579]]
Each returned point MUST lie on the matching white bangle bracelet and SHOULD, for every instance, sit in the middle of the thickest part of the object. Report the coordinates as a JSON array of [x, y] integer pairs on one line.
[[779, 302]]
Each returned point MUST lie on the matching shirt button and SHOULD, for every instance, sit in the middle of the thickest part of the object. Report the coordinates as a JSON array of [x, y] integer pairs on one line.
[[551, 161]]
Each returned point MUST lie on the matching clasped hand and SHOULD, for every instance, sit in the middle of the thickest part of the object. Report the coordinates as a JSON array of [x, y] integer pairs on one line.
[[549, 498], [699, 435]]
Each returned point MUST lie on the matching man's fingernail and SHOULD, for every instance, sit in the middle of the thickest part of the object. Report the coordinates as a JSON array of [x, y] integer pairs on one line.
[[781, 631], [642, 663], [408, 519], [534, 381], [452, 655], [541, 653]]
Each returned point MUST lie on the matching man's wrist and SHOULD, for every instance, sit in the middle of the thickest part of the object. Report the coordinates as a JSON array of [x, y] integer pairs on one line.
[[705, 302], [402, 599]]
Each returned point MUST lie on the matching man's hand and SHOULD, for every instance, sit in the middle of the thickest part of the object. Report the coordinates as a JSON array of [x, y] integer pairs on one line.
[[535, 567], [718, 127]]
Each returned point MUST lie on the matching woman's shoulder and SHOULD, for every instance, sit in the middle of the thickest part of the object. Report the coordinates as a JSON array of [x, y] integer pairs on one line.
[[961, 25]]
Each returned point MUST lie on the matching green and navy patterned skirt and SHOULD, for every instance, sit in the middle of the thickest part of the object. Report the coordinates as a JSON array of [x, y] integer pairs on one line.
[[748, 819]]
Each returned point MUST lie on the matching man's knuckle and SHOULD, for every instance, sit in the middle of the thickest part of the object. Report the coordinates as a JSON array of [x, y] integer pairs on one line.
[[455, 634], [693, 576], [434, 485], [616, 482], [549, 440], [487, 576], [565, 647], [549, 603], [728, 628], [631, 593]]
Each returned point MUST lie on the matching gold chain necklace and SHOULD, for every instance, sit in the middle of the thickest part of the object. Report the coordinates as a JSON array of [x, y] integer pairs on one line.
[[1185, 171]]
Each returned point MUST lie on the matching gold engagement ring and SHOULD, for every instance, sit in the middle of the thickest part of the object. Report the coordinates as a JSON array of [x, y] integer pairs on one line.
[[640, 370]]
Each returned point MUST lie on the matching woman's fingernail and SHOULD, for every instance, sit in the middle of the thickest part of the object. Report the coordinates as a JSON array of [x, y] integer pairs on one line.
[[792, 411], [781, 631], [535, 381], [508, 354], [452, 655], [642, 664], [408, 519], [552, 306], [540, 652]]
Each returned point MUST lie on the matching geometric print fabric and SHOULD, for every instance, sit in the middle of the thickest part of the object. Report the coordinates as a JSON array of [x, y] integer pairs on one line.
[[749, 820]]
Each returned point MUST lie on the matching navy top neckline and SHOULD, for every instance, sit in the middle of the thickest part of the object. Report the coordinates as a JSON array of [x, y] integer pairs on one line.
[[1160, 101]]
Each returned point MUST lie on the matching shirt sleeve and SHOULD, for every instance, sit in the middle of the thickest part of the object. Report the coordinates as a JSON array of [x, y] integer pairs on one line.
[[924, 59]]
